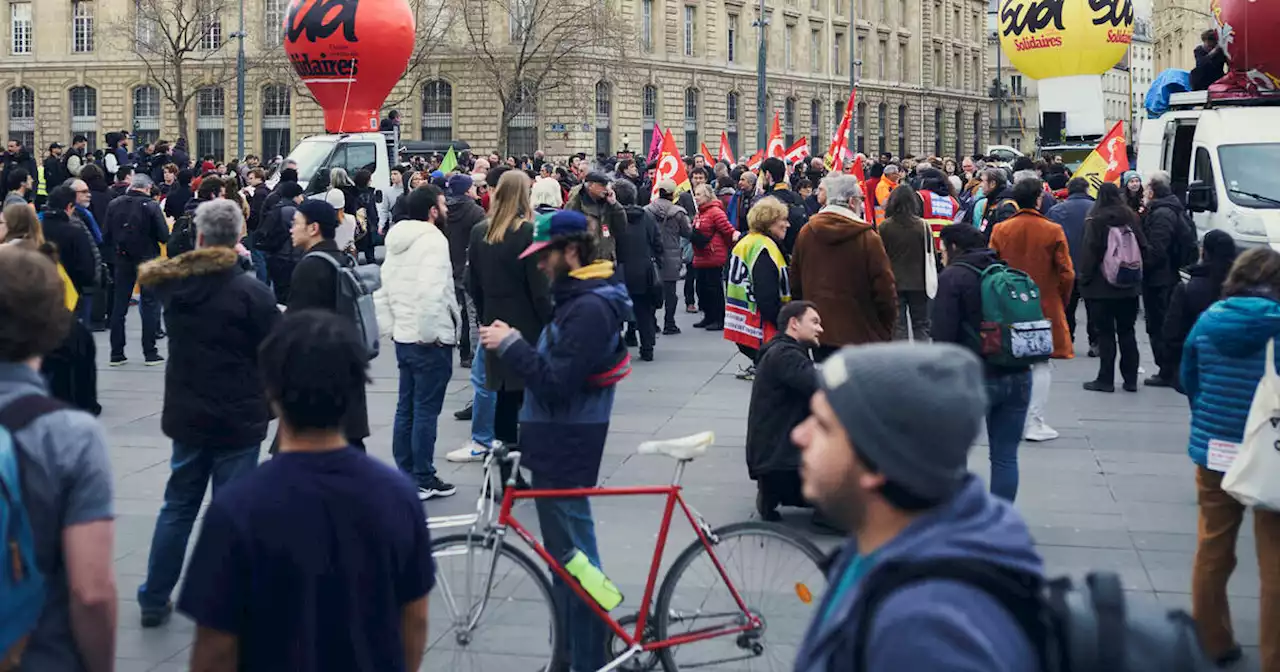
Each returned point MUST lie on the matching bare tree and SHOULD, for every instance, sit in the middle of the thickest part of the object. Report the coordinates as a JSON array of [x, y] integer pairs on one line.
[[529, 48], [183, 46]]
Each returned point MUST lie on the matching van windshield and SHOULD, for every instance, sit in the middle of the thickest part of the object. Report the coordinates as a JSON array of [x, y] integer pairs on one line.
[[1249, 175], [310, 155]]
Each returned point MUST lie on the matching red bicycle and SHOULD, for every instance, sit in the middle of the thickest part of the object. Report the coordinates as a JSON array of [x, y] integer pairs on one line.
[[738, 598]]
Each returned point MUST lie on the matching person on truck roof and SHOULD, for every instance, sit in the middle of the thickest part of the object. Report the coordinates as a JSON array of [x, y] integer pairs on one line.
[[1211, 61]]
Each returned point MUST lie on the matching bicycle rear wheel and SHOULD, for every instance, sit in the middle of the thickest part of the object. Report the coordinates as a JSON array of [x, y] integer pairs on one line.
[[776, 572], [517, 628]]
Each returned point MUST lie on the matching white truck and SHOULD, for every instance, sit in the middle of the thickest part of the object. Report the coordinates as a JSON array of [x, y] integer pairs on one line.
[[319, 154], [1223, 156]]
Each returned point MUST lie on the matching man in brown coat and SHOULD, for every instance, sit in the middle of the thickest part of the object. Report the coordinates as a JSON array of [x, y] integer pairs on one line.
[[839, 263], [1031, 243]]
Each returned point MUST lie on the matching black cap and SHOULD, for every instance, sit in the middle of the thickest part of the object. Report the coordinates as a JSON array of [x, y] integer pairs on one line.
[[55, 145], [597, 177]]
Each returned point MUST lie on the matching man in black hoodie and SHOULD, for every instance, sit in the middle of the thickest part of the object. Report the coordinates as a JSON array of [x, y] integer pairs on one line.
[[135, 228], [464, 214], [1171, 244], [639, 251]]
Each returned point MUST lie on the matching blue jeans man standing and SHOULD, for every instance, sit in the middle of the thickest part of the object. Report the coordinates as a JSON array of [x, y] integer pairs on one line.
[[1008, 397], [424, 376]]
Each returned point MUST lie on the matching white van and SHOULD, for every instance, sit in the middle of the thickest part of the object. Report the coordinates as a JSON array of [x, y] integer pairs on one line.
[[319, 154], [1223, 157]]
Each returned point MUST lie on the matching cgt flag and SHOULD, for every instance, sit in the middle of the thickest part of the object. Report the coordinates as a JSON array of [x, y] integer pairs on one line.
[[706, 154], [776, 148], [726, 154], [756, 159], [838, 151], [798, 151], [670, 166], [1108, 161]]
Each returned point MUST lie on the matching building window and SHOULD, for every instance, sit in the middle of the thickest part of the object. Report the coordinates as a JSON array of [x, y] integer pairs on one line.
[[882, 128], [144, 28], [789, 121], [815, 127], [690, 121], [837, 59], [649, 113], [522, 132], [604, 113], [977, 73], [837, 115], [690, 15], [731, 40], [904, 69], [862, 128], [881, 68], [84, 114], [902, 131], [20, 28], [788, 44], [437, 112], [22, 117], [937, 131], [1015, 85], [519, 17], [860, 54], [815, 51], [146, 114], [210, 123], [81, 26], [275, 121], [959, 139], [731, 120], [273, 18], [210, 30], [646, 25], [815, 5], [939, 68], [977, 133]]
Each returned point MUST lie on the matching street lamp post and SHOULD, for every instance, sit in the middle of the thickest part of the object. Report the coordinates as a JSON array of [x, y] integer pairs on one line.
[[762, 96], [240, 35], [855, 67]]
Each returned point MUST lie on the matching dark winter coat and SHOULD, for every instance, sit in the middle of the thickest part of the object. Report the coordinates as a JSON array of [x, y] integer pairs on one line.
[[76, 249], [712, 224], [176, 202], [1089, 279], [464, 215], [673, 226], [1070, 215], [640, 251], [99, 201], [217, 315], [505, 287], [257, 207], [55, 173], [840, 264], [999, 207], [1189, 300], [1169, 234], [956, 314], [132, 211], [907, 241], [610, 215], [314, 285], [9, 162], [785, 380], [797, 214]]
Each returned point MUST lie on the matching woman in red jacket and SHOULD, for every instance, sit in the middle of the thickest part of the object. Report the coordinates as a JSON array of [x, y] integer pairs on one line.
[[713, 237]]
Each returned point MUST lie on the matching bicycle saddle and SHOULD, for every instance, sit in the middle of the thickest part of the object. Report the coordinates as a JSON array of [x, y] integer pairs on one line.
[[684, 448]]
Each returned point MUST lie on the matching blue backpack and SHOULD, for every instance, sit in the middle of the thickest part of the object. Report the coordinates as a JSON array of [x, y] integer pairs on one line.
[[22, 589]]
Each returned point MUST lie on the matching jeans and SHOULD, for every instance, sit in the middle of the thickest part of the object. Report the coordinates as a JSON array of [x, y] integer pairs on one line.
[[1215, 560], [710, 294], [669, 303], [566, 525], [483, 403], [191, 470], [1115, 320], [259, 259], [1155, 305], [912, 306], [148, 306], [424, 375], [1008, 397], [646, 322]]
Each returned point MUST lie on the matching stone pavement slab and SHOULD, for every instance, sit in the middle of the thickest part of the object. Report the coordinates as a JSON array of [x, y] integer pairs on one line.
[[1115, 492]]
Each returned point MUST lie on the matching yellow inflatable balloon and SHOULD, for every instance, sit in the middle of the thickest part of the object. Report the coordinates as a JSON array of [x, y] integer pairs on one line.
[[1061, 38]]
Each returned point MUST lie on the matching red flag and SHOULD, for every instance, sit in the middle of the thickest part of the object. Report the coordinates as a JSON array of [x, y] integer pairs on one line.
[[857, 172], [798, 151], [670, 166], [655, 145], [776, 148], [726, 153], [756, 159], [839, 148], [706, 154]]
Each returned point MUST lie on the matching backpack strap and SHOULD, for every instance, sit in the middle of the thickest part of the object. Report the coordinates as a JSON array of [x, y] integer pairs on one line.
[[1017, 592], [14, 417]]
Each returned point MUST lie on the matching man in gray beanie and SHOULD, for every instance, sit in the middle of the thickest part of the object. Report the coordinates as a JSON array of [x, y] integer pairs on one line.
[[902, 489]]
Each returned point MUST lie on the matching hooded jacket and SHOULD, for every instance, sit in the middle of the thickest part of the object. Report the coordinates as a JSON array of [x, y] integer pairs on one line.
[[417, 302], [785, 380], [712, 223], [673, 227], [564, 421], [1168, 238], [217, 315], [1222, 362], [640, 251], [1038, 247], [464, 214], [840, 264], [932, 625]]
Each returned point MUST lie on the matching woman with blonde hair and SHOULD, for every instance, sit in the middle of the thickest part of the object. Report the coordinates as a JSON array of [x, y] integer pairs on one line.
[[758, 285], [20, 223], [508, 288]]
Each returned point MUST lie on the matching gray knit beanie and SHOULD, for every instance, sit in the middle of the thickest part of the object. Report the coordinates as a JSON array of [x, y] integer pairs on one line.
[[911, 410]]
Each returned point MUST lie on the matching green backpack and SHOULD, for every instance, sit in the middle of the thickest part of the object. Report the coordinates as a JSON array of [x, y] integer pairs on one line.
[[1014, 331]]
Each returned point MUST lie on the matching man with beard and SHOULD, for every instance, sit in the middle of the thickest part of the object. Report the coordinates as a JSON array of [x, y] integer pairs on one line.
[[785, 380], [902, 490]]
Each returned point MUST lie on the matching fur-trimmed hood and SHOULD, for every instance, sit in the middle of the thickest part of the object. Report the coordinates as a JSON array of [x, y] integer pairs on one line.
[[204, 261]]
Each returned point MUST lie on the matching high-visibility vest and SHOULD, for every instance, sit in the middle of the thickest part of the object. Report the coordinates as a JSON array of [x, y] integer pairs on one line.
[[939, 212], [41, 188], [742, 321]]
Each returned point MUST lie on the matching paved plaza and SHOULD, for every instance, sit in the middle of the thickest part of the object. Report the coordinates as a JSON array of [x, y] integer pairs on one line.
[[1115, 492]]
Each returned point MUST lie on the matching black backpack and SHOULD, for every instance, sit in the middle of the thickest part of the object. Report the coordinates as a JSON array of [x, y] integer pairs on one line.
[[183, 237], [1186, 249], [133, 238], [1074, 629], [272, 236]]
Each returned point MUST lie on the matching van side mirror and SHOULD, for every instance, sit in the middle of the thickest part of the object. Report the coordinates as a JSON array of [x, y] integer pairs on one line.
[[1202, 197]]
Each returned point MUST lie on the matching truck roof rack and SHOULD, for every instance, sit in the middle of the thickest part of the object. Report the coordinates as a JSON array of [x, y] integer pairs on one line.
[[1193, 100]]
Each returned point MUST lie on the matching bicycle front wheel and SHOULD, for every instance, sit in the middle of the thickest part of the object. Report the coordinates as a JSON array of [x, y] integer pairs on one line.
[[777, 573], [512, 626]]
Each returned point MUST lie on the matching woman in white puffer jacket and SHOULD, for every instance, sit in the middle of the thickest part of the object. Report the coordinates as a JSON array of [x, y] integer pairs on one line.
[[418, 308]]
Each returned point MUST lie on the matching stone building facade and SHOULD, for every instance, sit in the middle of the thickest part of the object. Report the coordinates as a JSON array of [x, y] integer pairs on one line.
[[1177, 27], [67, 69]]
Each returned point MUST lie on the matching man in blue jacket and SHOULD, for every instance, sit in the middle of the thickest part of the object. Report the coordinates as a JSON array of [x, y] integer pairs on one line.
[[569, 379], [1070, 215], [901, 488]]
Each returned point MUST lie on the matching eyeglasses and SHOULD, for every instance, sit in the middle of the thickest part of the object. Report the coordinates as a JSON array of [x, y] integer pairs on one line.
[[82, 191]]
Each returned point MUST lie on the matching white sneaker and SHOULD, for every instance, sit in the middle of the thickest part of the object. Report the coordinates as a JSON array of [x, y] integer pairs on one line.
[[1037, 430], [469, 452]]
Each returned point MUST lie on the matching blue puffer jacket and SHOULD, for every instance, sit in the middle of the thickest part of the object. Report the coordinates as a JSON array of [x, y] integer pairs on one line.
[[1222, 363]]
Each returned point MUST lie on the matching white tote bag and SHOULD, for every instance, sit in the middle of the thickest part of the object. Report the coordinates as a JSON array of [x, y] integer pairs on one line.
[[1254, 477], [930, 266]]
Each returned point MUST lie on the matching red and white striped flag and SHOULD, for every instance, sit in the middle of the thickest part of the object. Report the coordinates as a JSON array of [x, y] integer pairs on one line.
[[756, 159], [726, 153], [838, 152], [798, 151]]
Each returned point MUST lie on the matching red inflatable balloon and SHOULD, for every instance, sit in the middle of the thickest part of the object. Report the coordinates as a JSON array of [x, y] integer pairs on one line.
[[1248, 30], [350, 53]]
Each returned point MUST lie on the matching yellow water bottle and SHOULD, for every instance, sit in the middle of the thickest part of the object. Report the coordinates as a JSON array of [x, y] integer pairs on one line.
[[597, 585]]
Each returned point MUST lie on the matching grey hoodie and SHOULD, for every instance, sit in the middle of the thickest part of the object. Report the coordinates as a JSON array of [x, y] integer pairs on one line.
[[932, 625], [673, 225]]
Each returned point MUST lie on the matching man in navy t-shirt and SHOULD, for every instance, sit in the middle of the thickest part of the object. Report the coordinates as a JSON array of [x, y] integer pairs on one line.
[[319, 559]]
